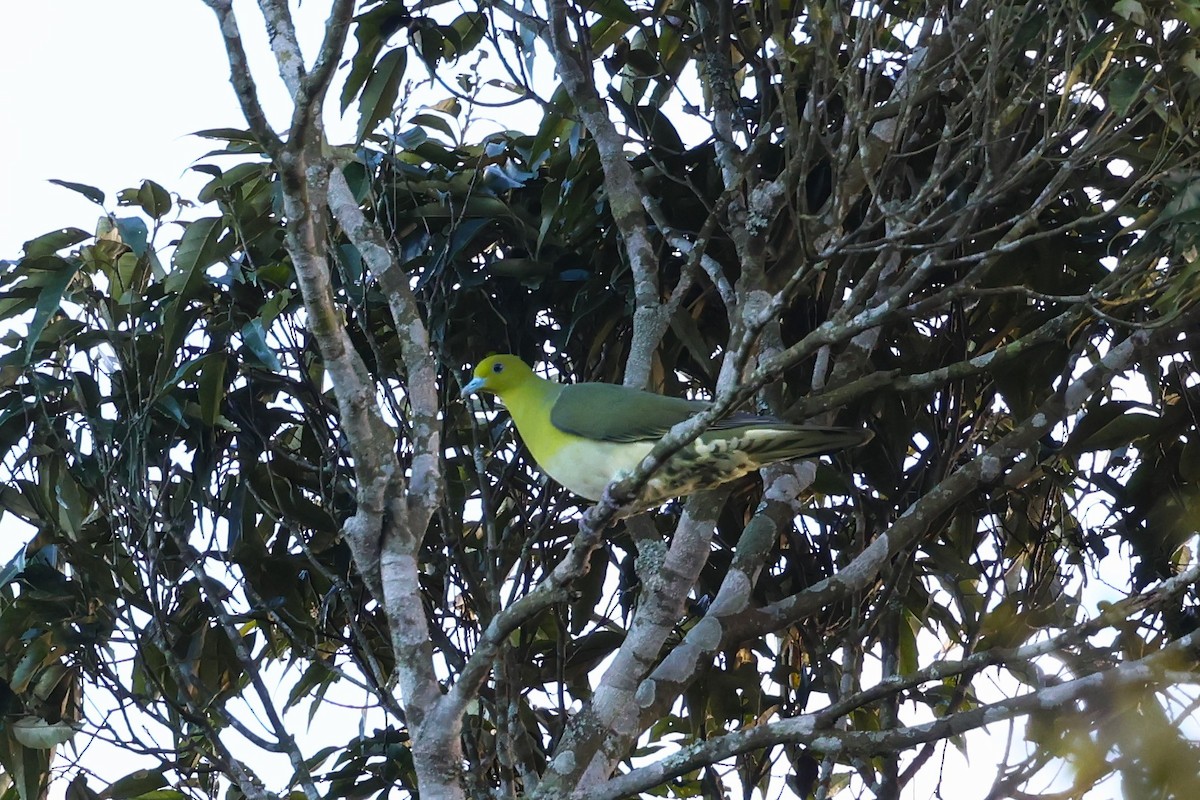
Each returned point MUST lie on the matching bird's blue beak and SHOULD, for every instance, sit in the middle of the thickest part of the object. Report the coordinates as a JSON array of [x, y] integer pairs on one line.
[[474, 386]]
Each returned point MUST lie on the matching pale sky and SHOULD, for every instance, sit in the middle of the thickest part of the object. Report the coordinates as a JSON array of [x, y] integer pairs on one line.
[[105, 92]]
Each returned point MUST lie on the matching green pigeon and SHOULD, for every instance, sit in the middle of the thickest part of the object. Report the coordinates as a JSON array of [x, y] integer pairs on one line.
[[585, 435]]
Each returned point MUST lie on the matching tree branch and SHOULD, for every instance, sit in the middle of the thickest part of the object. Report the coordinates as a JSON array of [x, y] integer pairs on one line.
[[987, 466], [804, 730], [281, 32], [624, 196], [316, 84], [600, 734], [425, 488], [242, 79]]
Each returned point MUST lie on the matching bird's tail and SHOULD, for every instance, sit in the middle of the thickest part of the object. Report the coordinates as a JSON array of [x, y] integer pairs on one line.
[[786, 442]]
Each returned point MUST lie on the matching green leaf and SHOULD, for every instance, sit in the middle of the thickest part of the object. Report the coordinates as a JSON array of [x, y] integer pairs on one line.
[[1094, 45], [134, 234], [469, 27], [1131, 10], [379, 95], [1189, 463], [435, 153], [410, 139], [451, 106], [217, 188], [15, 567], [50, 243], [435, 122], [431, 44], [226, 180], [127, 273], [197, 251], [39, 734], [30, 664], [154, 199], [255, 338], [90, 192], [1112, 425], [1122, 431], [135, 784], [226, 134], [186, 371], [240, 141], [79, 790], [612, 9], [211, 385], [28, 768], [86, 390], [643, 62], [907, 630], [373, 30], [1124, 89], [274, 306], [368, 47], [316, 675], [50, 297], [520, 268]]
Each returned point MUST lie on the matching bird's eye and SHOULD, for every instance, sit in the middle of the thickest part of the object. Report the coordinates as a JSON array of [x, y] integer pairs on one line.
[[497, 368]]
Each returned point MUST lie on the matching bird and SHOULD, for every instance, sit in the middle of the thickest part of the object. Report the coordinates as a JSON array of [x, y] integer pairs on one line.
[[586, 435]]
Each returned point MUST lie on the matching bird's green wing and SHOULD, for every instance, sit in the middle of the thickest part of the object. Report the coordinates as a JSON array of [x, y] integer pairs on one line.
[[611, 413]]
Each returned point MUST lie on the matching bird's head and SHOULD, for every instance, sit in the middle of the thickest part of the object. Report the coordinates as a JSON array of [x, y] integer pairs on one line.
[[498, 374]]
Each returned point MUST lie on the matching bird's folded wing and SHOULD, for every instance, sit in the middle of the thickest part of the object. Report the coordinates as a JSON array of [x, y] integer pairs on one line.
[[610, 413]]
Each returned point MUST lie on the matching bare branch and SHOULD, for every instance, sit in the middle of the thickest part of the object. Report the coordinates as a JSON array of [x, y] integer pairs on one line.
[[811, 405], [316, 84], [724, 625], [281, 32], [241, 77], [987, 466]]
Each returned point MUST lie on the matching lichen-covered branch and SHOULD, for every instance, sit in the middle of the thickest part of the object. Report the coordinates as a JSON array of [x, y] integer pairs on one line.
[[381, 532], [281, 32], [425, 487]]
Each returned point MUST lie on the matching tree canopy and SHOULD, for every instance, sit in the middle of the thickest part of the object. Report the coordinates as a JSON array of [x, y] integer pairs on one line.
[[234, 425]]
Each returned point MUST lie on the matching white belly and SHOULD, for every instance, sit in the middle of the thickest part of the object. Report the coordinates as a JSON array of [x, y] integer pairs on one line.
[[587, 467]]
